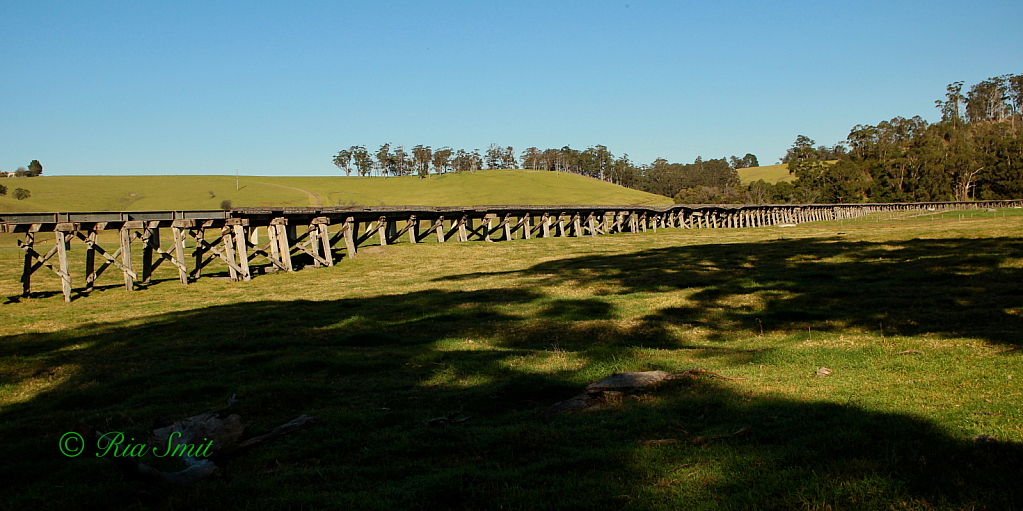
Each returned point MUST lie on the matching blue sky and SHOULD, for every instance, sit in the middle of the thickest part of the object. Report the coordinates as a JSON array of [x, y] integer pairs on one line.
[[278, 88]]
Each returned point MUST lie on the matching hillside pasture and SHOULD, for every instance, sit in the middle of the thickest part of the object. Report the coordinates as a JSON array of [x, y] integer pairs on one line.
[[770, 173], [917, 317], [485, 187]]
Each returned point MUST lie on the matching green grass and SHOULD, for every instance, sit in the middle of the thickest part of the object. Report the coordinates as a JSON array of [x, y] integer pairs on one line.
[[488, 187], [380, 344], [770, 173]]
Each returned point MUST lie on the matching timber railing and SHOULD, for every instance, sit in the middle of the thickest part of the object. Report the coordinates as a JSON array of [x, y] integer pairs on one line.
[[329, 234]]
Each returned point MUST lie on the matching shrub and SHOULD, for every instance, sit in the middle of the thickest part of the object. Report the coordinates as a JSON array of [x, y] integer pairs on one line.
[[21, 193], [3, 190], [225, 204]]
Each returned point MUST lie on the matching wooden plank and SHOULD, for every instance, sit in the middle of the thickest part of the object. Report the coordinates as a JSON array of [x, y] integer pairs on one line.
[[65, 275], [383, 225], [240, 246]]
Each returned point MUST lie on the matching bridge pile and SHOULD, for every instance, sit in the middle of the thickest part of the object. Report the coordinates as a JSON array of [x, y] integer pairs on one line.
[[326, 235]]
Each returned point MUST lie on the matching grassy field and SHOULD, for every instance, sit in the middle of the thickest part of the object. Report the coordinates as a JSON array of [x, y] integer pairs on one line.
[[919, 319], [487, 187], [770, 173]]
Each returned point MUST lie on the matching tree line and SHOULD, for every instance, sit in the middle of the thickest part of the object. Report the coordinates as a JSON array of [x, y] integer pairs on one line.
[[598, 162], [974, 152]]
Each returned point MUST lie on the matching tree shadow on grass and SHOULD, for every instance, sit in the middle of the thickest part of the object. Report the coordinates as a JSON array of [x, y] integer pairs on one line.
[[950, 287], [378, 367]]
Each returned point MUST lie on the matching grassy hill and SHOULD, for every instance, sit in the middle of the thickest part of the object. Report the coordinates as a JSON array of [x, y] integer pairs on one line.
[[770, 173], [135, 193]]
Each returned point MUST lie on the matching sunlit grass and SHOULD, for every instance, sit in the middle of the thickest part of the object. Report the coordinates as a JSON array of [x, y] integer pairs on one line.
[[912, 316]]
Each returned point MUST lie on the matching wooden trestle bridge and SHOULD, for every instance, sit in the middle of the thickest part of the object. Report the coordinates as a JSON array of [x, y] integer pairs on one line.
[[329, 234]]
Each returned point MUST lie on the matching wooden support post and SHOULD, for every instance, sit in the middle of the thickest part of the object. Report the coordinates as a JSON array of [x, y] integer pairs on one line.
[[392, 230], [65, 270], [527, 226], [90, 260], [577, 225], [275, 246], [413, 229], [179, 252], [487, 225], [593, 225], [243, 255], [150, 238], [462, 222], [325, 242], [285, 244], [351, 229], [126, 258], [313, 233], [440, 230], [227, 234], [642, 222], [383, 225], [507, 227], [200, 252], [26, 275], [546, 225]]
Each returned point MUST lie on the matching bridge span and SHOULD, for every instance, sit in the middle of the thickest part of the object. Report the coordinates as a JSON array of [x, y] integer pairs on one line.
[[321, 236]]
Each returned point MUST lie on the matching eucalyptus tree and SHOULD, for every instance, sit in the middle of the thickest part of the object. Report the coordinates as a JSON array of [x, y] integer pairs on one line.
[[531, 158], [475, 161], [385, 160], [442, 159], [508, 160], [950, 108], [494, 157], [401, 161], [421, 156], [363, 160], [343, 161]]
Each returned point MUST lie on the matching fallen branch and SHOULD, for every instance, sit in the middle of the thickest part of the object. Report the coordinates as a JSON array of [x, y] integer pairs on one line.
[[1014, 348]]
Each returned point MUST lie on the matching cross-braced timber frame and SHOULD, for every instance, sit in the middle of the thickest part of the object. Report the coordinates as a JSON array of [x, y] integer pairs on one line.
[[233, 237]]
